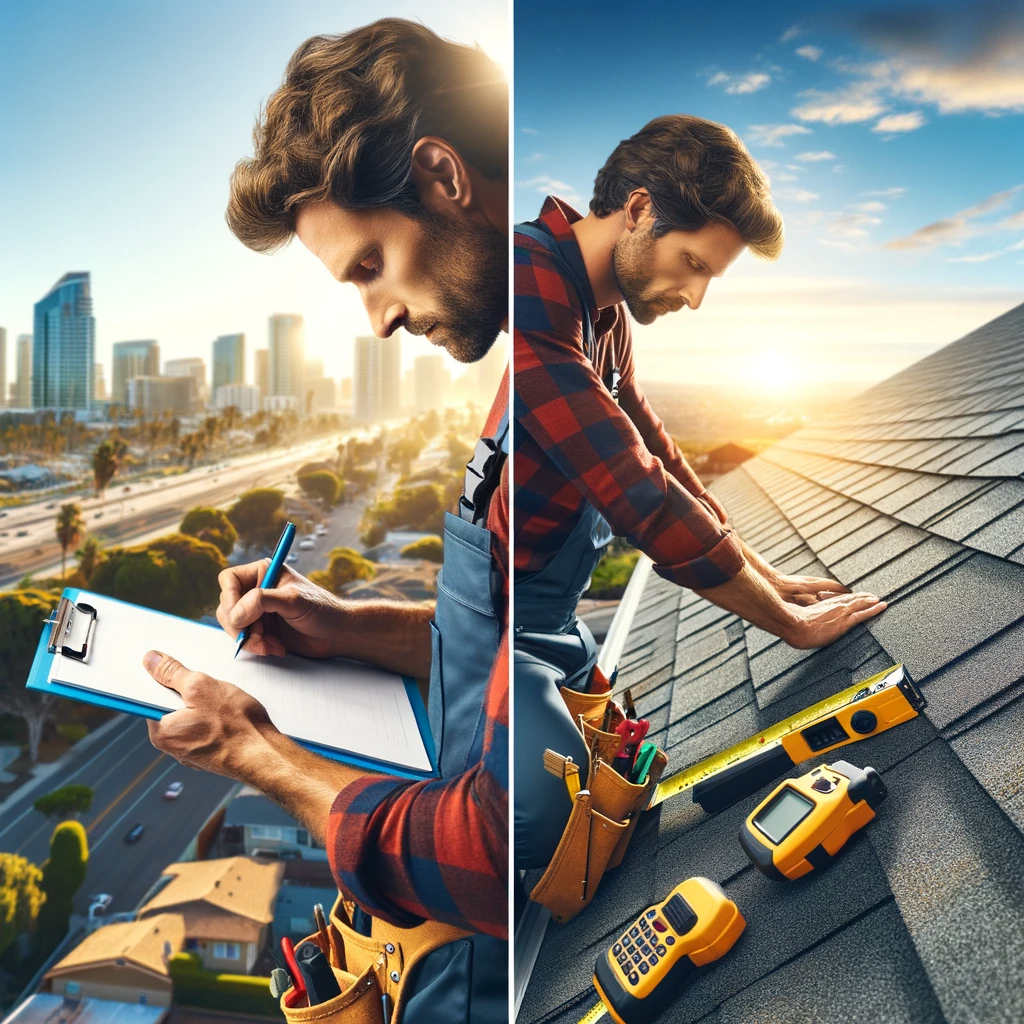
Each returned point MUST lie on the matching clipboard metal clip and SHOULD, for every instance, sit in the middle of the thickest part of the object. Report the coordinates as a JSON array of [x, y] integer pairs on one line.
[[62, 622]]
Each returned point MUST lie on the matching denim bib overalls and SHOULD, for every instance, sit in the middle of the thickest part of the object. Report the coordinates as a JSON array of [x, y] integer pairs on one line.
[[551, 649], [465, 981]]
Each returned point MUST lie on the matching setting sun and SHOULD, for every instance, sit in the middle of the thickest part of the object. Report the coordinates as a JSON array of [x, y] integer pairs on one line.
[[773, 371]]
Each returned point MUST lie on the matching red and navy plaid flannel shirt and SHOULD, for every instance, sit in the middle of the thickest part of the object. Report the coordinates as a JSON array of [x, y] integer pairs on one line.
[[438, 849], [573, 443]]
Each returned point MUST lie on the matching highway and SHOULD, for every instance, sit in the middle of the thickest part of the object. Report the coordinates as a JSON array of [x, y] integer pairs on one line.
[[151, 508], [128, 777]]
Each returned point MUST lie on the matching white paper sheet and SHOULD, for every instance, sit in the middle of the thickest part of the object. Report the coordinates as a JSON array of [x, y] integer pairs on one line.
[[340, 704]]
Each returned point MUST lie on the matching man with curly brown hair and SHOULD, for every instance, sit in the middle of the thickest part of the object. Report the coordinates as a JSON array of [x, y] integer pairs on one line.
[[385, 151]]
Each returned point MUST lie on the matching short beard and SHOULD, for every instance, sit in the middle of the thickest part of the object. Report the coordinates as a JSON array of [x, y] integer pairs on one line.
[[631, 260], [470, 267]]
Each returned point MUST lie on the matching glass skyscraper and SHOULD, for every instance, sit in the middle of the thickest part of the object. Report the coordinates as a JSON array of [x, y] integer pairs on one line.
[[64, 344], [228, 360]]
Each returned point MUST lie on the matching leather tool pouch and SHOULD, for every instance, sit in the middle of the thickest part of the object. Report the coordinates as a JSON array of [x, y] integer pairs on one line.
[[603, 818], [368, 967]]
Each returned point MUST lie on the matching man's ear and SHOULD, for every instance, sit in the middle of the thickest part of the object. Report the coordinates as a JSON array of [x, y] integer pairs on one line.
[[440, 175], [637, 207]]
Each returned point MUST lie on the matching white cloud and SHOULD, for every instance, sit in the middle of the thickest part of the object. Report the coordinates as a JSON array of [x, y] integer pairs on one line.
[[856, 102], [873, 207], [546, 185], [533, 158], [529, 131], [799, 195], [815, 157], [774, 134], [900, 122], [960, 226], [751, 82], [983, 257], [790, 34], [810, 52], [787, 177], [886, 193]]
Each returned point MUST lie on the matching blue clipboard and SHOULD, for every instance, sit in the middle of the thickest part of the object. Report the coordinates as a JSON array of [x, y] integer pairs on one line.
[[37, 680]]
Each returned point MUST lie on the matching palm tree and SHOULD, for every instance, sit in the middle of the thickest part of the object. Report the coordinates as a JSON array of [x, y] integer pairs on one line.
[[105, 464], [89, 556], [70, 528]]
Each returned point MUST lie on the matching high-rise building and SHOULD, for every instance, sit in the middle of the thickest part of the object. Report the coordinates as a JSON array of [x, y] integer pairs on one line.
[[262, 367], [132, 359], [195, 369], [377, 379], [100, 383], [489, 371], [345, 389], [322, 394], [228, 360], [3, 367], [287, 357], [23, 372], [429, 383], [64, 345], [154, 396], [244, 397]]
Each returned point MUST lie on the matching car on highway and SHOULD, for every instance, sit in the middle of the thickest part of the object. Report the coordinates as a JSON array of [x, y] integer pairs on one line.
[[100, 903], [135, 834], [99, 515], [52, 504], [292, 558], [21, 533], [306, 544], [173, 791], [320, 530]]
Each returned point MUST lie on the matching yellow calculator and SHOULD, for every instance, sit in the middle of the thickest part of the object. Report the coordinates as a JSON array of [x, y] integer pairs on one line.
[[655, 957]]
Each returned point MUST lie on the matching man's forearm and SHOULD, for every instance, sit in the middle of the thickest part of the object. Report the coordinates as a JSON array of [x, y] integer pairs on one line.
[[392, 634], [749, 595], [303, 783]]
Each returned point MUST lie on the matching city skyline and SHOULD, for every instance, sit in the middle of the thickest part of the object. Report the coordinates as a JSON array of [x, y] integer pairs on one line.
[[892, 140], [150, 177]]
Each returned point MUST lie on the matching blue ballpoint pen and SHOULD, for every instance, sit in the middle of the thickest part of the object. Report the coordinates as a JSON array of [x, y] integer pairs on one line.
[[270, 576]]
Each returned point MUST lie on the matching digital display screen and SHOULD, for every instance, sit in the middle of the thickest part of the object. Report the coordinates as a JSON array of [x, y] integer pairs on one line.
[[783, 814]]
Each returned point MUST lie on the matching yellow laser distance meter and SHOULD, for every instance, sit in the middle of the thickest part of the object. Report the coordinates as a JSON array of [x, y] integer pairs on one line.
[[805, 822], [657, 954]]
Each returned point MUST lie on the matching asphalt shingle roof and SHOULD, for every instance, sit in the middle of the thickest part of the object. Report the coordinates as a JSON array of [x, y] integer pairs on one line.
[[913, 490]]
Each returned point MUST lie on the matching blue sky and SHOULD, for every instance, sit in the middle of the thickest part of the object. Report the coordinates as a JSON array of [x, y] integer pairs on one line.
[[121, 123], [893, 137]]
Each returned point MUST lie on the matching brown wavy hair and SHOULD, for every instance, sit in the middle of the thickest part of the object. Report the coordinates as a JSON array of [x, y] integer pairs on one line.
[[343, 124], [697, 172]]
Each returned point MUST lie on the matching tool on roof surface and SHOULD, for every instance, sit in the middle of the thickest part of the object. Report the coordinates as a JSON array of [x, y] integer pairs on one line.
[[805, 822], [866, 709], [659, 952]]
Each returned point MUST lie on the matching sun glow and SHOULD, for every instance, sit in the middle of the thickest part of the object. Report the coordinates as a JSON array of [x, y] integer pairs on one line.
[[773, 371]]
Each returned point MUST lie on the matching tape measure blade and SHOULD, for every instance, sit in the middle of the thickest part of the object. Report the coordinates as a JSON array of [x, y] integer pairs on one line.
[[595, 1013], [769, 738]]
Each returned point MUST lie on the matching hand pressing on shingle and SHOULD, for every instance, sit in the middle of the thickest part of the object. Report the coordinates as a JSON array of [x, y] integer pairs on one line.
[[800, 590], [753, 597]]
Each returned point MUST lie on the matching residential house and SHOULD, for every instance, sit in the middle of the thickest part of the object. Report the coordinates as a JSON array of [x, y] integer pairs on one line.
[[227, 906], [267, 830]]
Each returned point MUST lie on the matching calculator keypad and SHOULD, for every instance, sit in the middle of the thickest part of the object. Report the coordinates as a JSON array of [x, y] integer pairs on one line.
[[642, 947]]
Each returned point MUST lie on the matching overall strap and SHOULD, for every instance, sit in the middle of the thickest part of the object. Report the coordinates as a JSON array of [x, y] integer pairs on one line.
[[483, 473], [546, 239]]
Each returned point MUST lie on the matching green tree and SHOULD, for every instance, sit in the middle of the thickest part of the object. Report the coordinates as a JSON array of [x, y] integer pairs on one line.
[[175, 574], [322, 484], [63, 875], [22, 612], [211, 525], [459, 452], [417, 507], [431, 549], [89, 555], [70, 529], [404, 451], [258, 517], [191, 446], [345, 565], [21, 897], [68, 800]]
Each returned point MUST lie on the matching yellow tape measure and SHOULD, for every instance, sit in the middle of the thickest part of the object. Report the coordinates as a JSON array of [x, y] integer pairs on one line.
[[862, 710], [595, 1013]]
